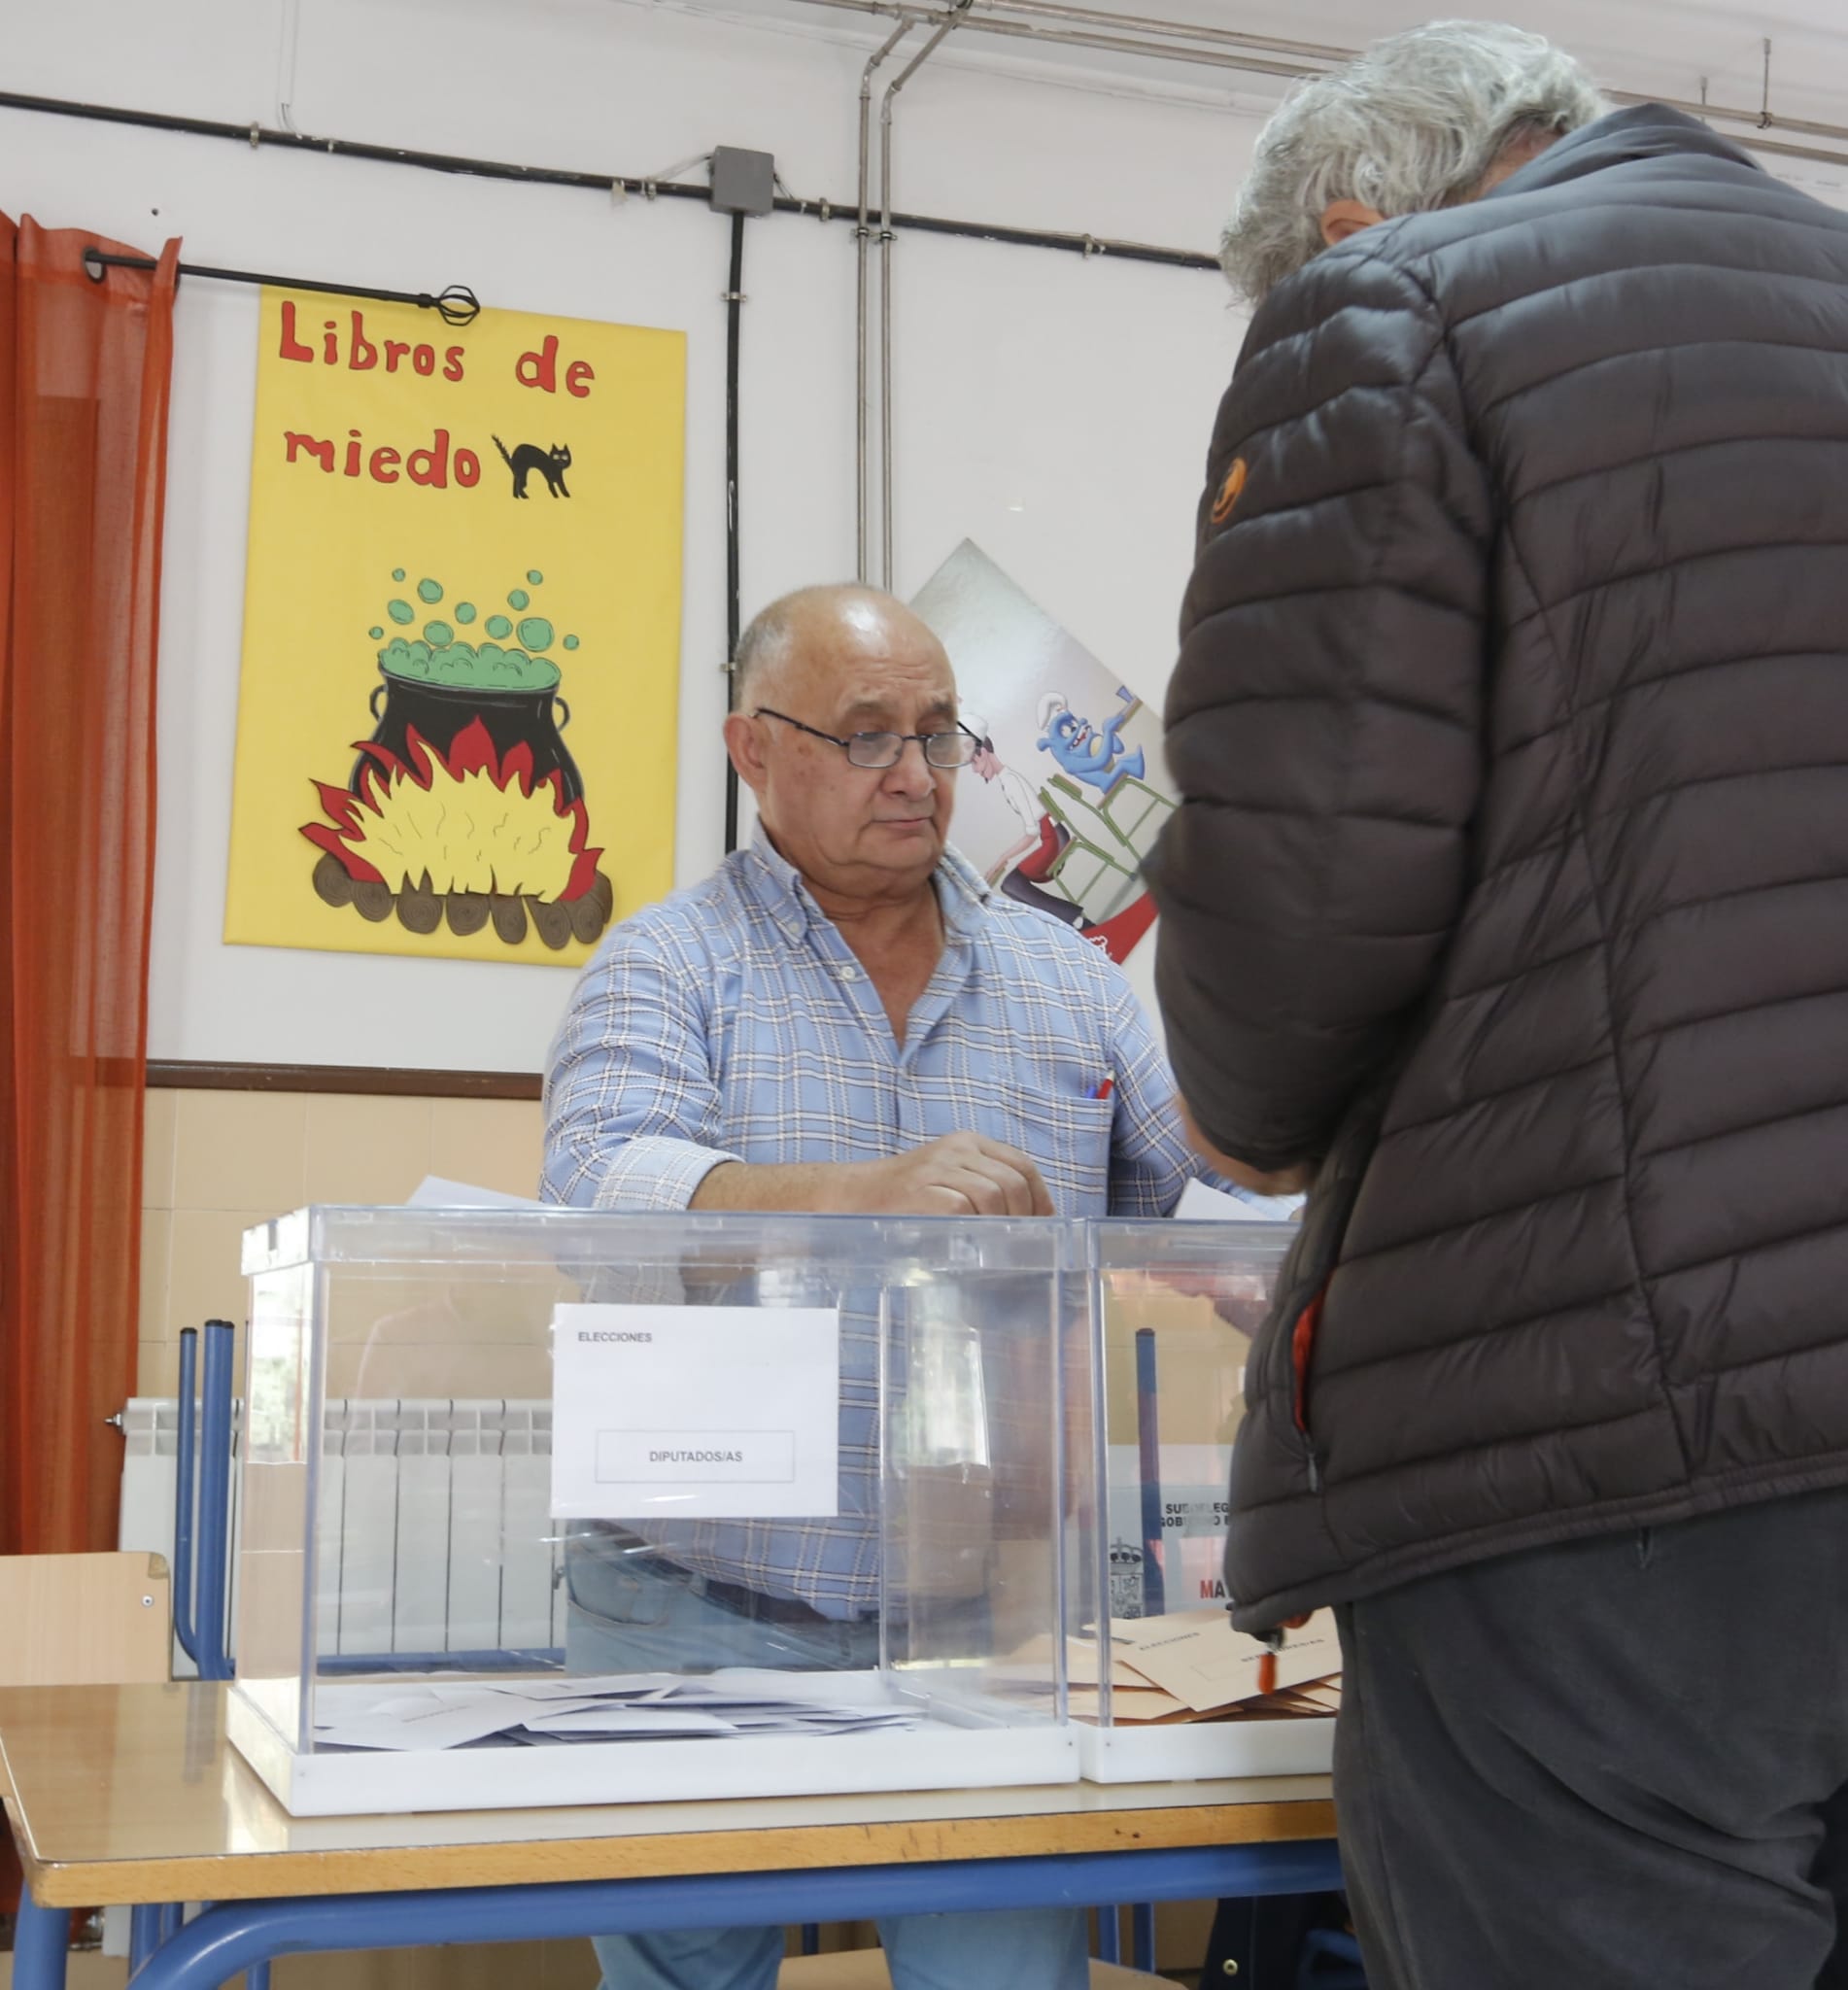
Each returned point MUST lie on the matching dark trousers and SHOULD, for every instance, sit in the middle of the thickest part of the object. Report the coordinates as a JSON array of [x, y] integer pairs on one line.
[[1283, 1941], [1619, 1764]]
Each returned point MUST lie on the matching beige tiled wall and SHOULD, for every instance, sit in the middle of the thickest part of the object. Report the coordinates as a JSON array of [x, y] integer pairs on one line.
[[216, 1161]]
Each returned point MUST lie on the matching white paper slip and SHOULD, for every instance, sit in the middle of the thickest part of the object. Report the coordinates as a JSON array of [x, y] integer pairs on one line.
[[1200, 1202], [630, 1686], [441, 1724], [435, 1191], [658, 1722], [685, 1412], [354, 1699], [630, 1707], [832, 1689]]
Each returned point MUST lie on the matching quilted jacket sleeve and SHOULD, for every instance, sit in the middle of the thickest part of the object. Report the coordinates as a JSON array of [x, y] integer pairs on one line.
[[1324, 718]]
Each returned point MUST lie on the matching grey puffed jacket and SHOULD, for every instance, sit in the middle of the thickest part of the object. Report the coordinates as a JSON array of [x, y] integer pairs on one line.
[[1511, 878]]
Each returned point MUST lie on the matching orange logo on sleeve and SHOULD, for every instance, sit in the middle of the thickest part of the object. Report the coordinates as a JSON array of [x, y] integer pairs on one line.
[[1229, 492]]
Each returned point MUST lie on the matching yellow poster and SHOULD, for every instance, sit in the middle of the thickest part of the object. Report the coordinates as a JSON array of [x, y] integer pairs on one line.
[[462, 631]]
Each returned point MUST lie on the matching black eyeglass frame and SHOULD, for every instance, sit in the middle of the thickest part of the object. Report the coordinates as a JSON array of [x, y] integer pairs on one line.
[[901, 741]]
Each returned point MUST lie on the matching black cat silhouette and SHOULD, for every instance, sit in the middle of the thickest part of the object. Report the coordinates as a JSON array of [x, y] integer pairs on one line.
[[551, 463]]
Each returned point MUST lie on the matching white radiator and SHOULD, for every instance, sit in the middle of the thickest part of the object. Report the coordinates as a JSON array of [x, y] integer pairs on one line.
[[435, 1530]]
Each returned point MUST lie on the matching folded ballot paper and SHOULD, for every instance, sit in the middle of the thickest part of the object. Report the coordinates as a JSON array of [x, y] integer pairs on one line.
[[636, 1707], [1192, 1665]]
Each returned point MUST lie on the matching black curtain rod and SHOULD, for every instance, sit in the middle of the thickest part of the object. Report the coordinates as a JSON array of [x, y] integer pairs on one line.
[[257, 135], [458, 305]]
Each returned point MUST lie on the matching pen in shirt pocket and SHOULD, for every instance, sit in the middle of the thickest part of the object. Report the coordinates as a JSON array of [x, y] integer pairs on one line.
[[1104, 1086]]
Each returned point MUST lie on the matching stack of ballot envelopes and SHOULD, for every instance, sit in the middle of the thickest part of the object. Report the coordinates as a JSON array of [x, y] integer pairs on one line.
[[1192, 1699]]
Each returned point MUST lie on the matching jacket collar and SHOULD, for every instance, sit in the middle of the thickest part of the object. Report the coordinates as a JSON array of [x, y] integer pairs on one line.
[[774, 882], [1644, 131]]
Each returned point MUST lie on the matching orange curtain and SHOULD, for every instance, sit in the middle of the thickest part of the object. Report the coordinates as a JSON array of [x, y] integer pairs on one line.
[[84, 368]]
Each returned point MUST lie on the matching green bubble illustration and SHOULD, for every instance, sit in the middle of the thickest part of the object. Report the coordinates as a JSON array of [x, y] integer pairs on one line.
[[489, 661], [462, 664]]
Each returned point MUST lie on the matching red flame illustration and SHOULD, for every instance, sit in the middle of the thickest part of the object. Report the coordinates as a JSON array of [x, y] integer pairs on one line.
[[344, 835]]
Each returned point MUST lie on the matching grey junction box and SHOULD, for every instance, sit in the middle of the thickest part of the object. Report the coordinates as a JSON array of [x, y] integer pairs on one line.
[[744, 182]]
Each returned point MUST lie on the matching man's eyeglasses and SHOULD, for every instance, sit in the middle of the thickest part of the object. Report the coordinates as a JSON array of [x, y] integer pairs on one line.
[[955, 748]]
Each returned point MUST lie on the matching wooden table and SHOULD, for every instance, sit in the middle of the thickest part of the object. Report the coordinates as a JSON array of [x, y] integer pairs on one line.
[[130, 1795]]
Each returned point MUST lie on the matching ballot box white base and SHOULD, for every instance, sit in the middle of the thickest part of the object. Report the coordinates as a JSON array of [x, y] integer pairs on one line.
[[1199, 1751], [939, 1754]]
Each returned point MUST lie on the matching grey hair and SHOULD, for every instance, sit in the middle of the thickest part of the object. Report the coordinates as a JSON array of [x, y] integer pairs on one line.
[[1414, 123]]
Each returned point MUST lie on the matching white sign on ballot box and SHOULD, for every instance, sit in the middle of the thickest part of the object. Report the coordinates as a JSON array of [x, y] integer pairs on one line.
[[696, 1412]]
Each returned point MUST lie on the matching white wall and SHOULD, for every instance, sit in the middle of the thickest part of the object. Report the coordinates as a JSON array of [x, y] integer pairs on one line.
[[1055, 409], [1052, 408]]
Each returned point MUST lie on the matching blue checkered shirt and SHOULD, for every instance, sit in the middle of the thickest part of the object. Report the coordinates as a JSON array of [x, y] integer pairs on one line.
[[731, 1023]]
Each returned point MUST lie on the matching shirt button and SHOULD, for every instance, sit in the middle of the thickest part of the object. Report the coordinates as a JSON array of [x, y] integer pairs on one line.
[[849, 974]]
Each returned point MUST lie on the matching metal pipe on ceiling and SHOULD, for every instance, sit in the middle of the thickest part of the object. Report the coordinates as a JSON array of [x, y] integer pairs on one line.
[[1111, 44], [1759, 121], [1129, 45], [1176, 30], [861, 245], [1069, 25], [947, 26]]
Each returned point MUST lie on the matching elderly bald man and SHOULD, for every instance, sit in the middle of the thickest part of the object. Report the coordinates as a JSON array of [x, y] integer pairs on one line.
[[842, 1018]]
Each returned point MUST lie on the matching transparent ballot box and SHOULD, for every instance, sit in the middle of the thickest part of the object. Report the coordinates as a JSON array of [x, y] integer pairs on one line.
[[556, 1506], [1160, 1685]]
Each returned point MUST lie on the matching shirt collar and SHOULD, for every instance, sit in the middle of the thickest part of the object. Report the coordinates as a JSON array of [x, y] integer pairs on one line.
[[962, 892]]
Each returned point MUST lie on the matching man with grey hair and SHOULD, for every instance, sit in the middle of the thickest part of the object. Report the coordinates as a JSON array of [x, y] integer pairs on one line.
[[1508, 901]]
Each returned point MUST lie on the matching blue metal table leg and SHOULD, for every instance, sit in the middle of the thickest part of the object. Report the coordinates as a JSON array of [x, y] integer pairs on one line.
[[167, 1919], [214, 1500], [811, 1937], [1110, 1935], [144, 1935], [257, 1976], [40, 1946], [235, 1933], [1142, 1936], [186, 1462], [1149, 1469]]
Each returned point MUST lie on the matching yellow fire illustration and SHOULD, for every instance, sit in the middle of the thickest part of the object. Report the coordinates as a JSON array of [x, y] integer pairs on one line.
[[468, 835]]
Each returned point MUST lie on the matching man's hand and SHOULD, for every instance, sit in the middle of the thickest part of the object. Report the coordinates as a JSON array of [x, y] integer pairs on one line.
[[1286, 1181], [963, 1173], [960, 1175]]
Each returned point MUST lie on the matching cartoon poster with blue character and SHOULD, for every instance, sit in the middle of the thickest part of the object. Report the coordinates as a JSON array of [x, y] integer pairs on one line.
[[1068, 791]]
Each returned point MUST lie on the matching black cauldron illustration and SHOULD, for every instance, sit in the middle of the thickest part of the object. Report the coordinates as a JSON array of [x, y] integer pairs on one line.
[[441, 712]]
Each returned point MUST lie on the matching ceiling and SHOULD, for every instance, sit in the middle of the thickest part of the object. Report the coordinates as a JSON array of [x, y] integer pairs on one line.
[[1648, 46]]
